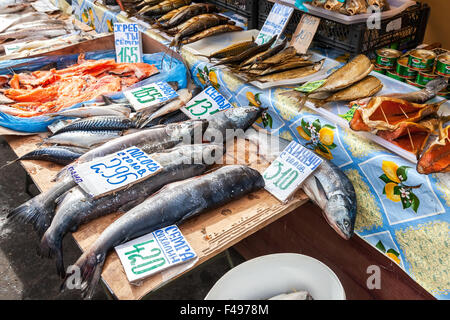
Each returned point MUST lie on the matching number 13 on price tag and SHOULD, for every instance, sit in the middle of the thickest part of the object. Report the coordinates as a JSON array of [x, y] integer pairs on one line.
[[284, 176], [205, 104]]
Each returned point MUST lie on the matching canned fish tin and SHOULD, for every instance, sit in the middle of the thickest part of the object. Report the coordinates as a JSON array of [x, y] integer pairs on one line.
[[387, 57], [403, 70], [379, 70], [423, 77], [443, 65], [421, 60], [394, 75], [411, 82]]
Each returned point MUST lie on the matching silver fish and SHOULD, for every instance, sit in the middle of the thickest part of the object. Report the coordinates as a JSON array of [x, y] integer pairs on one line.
[[91, 111], [77, 208], [98, 123], [327, 186], [173, 204], [421, 96], [56, 154], [84, 139]]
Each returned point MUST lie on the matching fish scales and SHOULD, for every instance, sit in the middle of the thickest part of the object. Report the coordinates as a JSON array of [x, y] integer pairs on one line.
[[98, 123]]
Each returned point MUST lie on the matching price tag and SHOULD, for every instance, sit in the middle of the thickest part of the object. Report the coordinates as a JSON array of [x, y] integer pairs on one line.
[[11, 48], [289, 170], [154, 252], [275, 23], [206, 103], [304, 34], [310, 86], [114, 172], [128, 42], [150, 95]]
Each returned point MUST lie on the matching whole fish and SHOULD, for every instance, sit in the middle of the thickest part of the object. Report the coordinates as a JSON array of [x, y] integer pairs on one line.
[[18, 19], [92, 111], [184, 95], [327, 186], [232, 50], [84, 139], [13, 8], [166, 17], [293, 73], [173, 204], [176, 116], [289, 64], [421, 96], [211, 32], [163, 7], [47, 31], [148, 3], [188, 12], [247, 53], [77, 208], [282, 56], [224, 123], [355, 70], [98, 123], [57, 154], [264, 55]]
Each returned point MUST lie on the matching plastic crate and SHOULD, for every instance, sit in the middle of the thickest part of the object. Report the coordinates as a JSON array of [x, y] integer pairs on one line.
[[246, 8], [357, 38]]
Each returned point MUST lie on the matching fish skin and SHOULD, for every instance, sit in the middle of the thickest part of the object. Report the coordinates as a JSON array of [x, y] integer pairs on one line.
[[265, 54], [176, 116], [327, 186], [92, 111], [189, 12], [55, 154], [354, 71], [98, 123], [212, 31], [421, 96], [77, 208], [283, 55], [292, 73], [289, 64], [367, 87], [179, 201], [232, 50], [230, 119], [163, 7], [84, 139]]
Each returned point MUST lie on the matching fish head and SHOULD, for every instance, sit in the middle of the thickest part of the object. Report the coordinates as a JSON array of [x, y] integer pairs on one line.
[[340, 212], [243, 117]]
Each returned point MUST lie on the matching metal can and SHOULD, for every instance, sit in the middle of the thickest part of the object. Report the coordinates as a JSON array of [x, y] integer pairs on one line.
[[386, 57], [403, 70], [421, 60], [411, 82], [392, 74], [423, 77], [443, 65], [379, 70]]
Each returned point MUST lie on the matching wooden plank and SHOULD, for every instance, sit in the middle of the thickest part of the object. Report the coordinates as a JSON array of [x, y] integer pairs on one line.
[[209, 234], [305, 231]]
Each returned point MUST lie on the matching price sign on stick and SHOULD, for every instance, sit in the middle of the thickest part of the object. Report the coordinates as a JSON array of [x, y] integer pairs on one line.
[[284, 176], [154, 252], [115, 171], [275, 23], [150, 95], [206, 103], [128, 42], [304, 34]]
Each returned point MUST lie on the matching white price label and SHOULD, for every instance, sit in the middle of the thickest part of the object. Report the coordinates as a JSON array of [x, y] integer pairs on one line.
[[115, 171], [289, 170], [154, 252], [11, 48], [206, 103], [150, 95], [128, 42], [275, 23]]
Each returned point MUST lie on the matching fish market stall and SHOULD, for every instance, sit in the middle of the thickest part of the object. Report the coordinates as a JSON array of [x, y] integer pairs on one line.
[[357, 112]]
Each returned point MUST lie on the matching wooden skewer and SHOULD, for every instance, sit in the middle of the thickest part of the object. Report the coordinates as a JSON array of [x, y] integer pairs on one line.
[[404, 113], [384, 115], [410, 139]]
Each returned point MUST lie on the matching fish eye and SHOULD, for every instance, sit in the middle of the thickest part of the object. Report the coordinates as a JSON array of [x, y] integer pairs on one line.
[[346, 224]]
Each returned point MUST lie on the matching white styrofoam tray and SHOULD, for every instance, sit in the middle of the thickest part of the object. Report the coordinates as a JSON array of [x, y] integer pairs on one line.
[[207, 46]]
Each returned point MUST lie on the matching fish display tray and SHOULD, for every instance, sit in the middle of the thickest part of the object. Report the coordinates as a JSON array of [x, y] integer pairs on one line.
[[246, 8], [406, 30], [331, 111], [209, 45]]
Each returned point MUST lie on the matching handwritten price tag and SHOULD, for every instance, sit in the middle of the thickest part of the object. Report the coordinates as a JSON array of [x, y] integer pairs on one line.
[[206, 103], [113, 172], [284, 176], [304, 34], [156, 93], [154, 252], [275, 23], [128, 42]]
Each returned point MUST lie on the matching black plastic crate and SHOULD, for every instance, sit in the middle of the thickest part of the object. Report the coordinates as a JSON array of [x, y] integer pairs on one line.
[[357, 38], [246, 8]]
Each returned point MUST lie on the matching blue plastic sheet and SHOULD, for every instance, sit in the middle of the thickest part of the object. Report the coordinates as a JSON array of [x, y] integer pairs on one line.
[[170, 69]]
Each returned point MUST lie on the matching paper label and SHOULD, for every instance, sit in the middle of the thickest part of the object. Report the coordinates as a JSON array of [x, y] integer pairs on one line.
[[284, 176], [154, 252], [150, 95], [310, 86], [206, 103], [11, 48], [304, 34], [55, 126], [275, 23], [128, 42], [114, 172]]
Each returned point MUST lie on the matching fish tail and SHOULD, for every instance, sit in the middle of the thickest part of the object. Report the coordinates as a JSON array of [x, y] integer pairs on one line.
[[36, 212], [90, 266], [52, 248], [61, 174], [437, 85], [8, 163]]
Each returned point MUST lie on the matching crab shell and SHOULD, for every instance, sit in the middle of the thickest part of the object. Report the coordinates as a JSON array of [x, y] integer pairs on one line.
[[437, 157], [387, 113]]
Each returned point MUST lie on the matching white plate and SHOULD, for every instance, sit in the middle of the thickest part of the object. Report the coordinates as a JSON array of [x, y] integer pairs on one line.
[[274, 274], [212, 44]]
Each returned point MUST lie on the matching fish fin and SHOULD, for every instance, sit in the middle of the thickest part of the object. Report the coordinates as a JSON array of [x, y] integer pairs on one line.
[[51, 248], [9, 162], [90, 265], [320, 188], [61, 173], [35, 212]]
